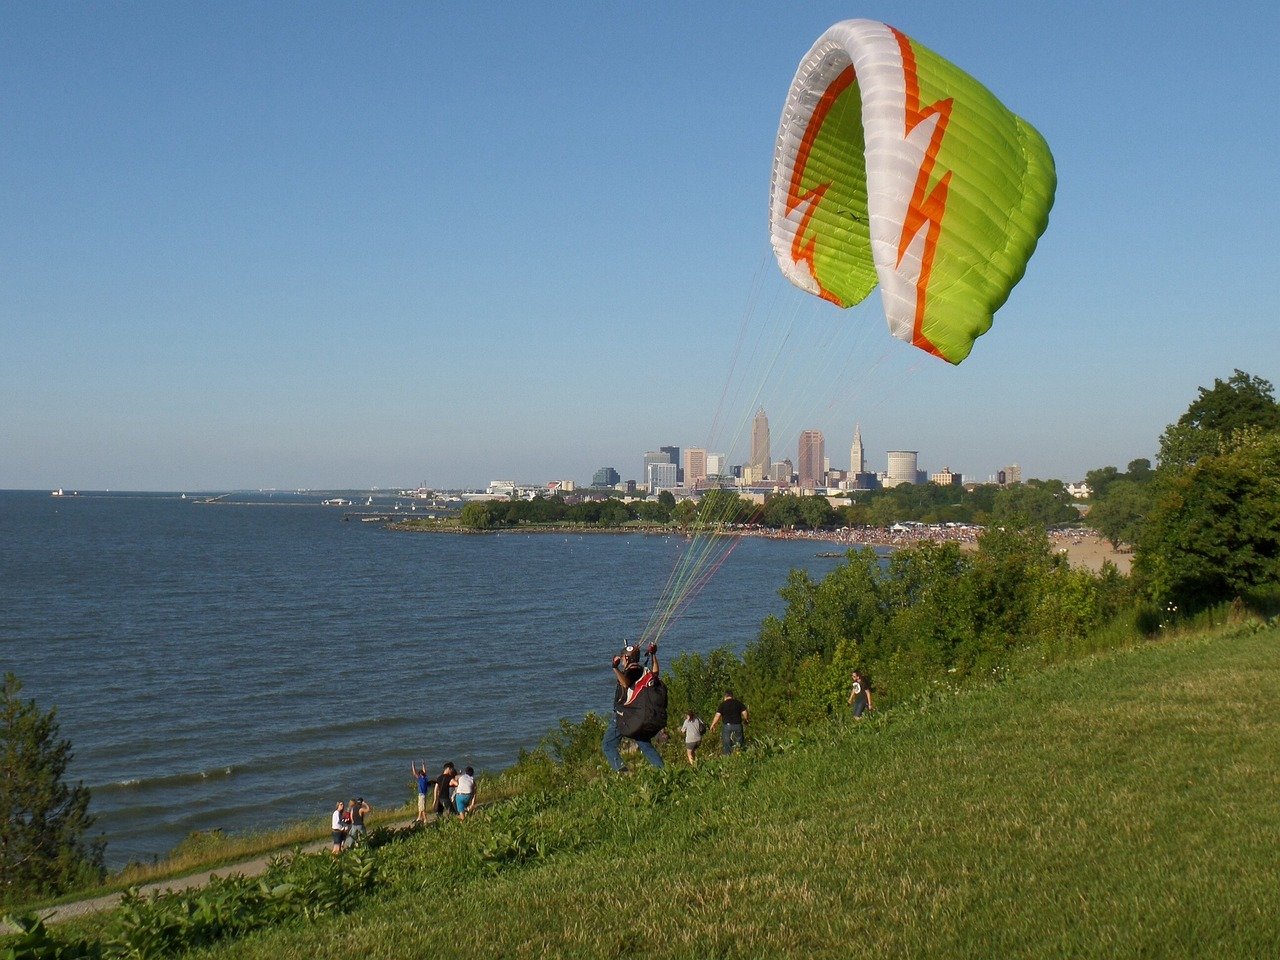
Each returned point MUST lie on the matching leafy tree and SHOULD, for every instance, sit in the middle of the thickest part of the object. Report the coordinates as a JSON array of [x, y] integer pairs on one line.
[[685, 512], [816, 513], [1139, 471], [1100, 481], [1214, 532], [1041, 503], [1240, 402], [653, 511], [44, 823], [782, 511], [1119, 515], [476, 516], [667, 499], [723, 506]]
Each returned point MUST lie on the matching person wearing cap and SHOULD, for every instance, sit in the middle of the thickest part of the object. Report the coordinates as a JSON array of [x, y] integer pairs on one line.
[[627, 671]]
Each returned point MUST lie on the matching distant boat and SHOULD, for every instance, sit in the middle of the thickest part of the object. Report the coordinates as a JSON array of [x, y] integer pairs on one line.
[[369, 502], [58, 493], [336, 502]]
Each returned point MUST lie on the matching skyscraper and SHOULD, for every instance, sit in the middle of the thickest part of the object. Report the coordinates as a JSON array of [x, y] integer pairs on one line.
[[661, 476], [761, 462], [857, 456], [674, 454], [650, 458], [812, 452], [695, 466]]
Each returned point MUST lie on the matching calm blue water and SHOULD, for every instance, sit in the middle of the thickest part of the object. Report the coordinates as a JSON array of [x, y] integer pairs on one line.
[[242, 665]]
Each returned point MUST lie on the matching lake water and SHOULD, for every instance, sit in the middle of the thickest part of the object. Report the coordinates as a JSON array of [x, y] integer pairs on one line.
[[239, 665]]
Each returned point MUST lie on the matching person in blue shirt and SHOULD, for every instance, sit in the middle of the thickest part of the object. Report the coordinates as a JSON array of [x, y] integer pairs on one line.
[[424, 787]]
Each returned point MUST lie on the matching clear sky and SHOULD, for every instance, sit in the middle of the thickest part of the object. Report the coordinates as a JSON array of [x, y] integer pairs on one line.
[[282, 245]]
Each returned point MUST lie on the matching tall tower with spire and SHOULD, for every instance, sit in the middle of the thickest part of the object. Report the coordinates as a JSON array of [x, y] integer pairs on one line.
[[760, 458], [857, 456]]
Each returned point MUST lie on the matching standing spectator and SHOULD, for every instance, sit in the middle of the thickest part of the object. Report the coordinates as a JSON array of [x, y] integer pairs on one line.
[[860, 695], [464, 792], [627, 672], [339, 825], [733, 713], [442, 803], [357, 811], [694, 730], [424, 787]]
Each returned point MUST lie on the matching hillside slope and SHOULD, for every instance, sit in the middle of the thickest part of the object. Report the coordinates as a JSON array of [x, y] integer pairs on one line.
[[1123, 806]]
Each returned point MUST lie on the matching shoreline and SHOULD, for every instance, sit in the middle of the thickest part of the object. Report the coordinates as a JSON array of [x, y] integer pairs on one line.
[[1084, 549]]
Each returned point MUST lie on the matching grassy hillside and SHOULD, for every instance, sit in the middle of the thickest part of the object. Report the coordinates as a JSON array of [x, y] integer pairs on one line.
[[1123, 806]]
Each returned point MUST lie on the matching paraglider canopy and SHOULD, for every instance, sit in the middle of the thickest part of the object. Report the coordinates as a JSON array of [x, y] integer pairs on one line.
[[894, 165]]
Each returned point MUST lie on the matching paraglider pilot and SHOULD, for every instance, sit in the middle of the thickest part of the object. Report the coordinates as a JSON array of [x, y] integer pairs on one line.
[[628, 671]]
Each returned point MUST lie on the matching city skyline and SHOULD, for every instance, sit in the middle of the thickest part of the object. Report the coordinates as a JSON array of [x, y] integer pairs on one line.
[[254, 248]]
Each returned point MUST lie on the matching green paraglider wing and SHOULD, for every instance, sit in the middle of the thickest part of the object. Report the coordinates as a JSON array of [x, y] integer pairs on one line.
[[895, 166]]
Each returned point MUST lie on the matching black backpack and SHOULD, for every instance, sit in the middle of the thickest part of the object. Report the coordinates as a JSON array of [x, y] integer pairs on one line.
[[644, 712]]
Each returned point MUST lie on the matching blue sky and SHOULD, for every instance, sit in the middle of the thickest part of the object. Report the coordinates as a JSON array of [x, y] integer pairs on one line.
[[315, 245]]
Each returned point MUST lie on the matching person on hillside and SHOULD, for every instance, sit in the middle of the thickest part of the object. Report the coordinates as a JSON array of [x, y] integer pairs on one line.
[[424, 787], [338, 823], [442, 802], [860, 695], [357, 810], [627, 671], [464, 792], [733, 713], [694, 730]]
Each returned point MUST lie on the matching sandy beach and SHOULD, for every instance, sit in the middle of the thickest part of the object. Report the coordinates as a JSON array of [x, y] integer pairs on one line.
[[1090, 551]]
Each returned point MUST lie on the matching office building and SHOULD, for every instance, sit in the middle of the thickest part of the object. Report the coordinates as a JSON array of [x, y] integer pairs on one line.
[[695, 466], [673, 453], [811, 457], [945, 478], [857, 455], [662, 476], [902, 467], [606, 477], [760, 460]]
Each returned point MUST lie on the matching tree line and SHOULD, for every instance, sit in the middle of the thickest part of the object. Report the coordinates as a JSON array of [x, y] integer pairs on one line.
[[1041, 502]]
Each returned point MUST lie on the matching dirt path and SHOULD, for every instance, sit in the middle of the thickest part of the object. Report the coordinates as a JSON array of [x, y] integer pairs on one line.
[[245, 868]]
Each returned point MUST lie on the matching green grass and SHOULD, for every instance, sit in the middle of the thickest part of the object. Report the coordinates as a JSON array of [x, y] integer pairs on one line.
[[210, 851], [1125, 805]]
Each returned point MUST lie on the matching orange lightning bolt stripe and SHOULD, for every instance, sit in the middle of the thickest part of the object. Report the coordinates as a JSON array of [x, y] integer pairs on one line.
[[927, 205], [802, 246]]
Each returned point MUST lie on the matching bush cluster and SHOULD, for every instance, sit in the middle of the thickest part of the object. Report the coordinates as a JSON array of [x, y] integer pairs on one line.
[[933, 617]]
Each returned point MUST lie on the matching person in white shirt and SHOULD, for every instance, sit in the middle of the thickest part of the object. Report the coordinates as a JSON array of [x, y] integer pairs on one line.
[[339, 823], [464, 792], [694, 730]]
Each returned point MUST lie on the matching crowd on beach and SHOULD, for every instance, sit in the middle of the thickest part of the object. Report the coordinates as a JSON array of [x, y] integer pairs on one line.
[[904, 535]]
